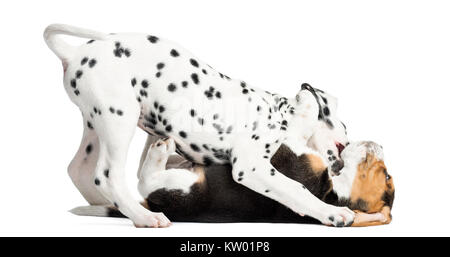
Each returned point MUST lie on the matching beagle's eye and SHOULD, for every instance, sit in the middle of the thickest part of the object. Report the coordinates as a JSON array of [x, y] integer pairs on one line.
[[388, 177]]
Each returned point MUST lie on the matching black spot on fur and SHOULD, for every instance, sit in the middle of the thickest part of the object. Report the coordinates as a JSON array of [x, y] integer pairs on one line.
[[144, 83], [194, 63], [92, 63], [193, 112], [272, 172], [78, 74], [119, 50], [119, 112], [97, 181], [89, 125], [195, 148], [84, 60], [160, 65], [158, 74], [152, 39], [172, 87], [76, 92], [174, 53], [133, 82], [112, 110], [89, 148], [326, 111], [106, 173], [329, 123], [73, 83], [182, 134], [90, 41], [184, 84], [169, 128], [143, 93], [194, 78]]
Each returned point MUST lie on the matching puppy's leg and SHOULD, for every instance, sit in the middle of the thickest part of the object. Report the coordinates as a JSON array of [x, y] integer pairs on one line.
[[82, 168], [255, 172], [150, 140], [156, 158], [115, 132], [154, 175]]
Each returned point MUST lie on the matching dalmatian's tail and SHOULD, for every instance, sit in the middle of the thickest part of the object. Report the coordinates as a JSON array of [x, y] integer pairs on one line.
[[97, 211], [63, 50]]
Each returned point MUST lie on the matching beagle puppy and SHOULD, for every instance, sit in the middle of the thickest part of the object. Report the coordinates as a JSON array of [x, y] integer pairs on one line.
[[196, 193]]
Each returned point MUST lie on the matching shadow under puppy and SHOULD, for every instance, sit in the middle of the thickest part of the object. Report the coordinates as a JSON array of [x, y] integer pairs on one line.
[[187, 192]]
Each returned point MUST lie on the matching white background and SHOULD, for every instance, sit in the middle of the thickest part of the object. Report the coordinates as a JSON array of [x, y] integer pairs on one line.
[[388, 62]]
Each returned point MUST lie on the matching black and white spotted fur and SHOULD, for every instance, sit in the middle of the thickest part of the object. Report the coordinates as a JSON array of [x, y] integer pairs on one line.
[[120, 81]]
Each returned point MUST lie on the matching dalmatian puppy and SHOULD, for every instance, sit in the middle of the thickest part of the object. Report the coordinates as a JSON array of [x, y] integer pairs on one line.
[[123, 81]]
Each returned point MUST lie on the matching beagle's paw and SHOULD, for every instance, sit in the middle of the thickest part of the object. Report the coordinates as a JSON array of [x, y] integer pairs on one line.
[[162, 148]]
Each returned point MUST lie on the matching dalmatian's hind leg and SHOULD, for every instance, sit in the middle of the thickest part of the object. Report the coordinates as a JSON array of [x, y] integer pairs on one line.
[[82, 168], [256, 172], [115, 131]]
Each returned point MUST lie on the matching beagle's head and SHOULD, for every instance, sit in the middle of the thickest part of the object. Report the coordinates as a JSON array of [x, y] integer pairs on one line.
[[330, 136], [365, 184]]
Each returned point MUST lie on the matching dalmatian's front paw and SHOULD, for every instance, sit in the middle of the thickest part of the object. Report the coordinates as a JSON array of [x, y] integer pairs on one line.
[[338, 216], [153, 220]]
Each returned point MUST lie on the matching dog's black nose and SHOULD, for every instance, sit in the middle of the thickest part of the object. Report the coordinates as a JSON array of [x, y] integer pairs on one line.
[[337, 166]]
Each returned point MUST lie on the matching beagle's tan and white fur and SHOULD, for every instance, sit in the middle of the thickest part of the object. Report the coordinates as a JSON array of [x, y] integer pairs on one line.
[[189, 192]]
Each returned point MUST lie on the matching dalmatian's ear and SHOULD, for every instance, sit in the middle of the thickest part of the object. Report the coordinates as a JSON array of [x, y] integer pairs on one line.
[[306, 86]]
